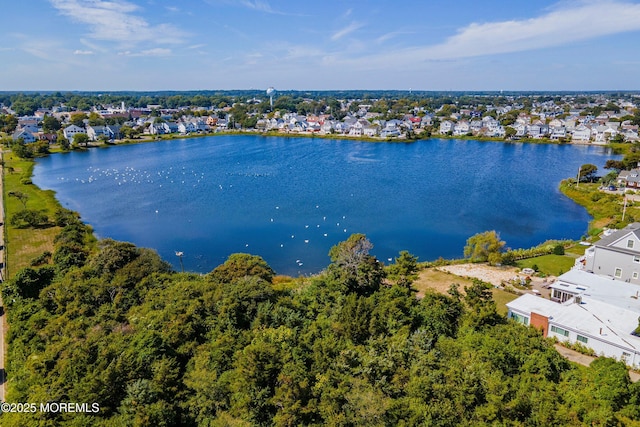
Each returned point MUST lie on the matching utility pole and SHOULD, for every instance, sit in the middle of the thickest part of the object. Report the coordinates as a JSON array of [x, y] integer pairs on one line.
[[578, 181]]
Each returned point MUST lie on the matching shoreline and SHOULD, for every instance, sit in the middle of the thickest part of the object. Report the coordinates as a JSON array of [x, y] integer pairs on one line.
[[398, 140]]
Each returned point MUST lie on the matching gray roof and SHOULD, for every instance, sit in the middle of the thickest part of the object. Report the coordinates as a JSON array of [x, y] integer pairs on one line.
[[607, 241]]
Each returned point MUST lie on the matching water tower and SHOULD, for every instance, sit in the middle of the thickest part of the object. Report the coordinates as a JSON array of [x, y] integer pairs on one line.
[[270, 93]]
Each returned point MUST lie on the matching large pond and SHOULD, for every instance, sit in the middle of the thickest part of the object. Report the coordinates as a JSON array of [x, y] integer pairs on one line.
[[290, 199]]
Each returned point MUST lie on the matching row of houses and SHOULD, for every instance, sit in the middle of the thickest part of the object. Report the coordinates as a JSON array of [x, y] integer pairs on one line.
[[597, 303], [556, 129]]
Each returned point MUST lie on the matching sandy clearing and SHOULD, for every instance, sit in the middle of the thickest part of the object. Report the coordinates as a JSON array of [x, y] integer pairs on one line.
[[497, 275]]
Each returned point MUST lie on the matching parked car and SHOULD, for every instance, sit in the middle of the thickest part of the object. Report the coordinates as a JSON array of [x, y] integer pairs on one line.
[[613, 188]]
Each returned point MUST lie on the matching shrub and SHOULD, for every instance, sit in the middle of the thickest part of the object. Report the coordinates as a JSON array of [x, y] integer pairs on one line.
[[558, 250]]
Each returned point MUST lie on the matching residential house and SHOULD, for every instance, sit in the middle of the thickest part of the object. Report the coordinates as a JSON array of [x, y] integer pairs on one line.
[[446, 126], [25, 134], [581, 134], [185, 127], [586, 309], [538, 130], [95, 132], [461, 128], [558, 132], [475, 126], [605, 132], [630, 179], [72, 130], [170, 127], [114, 131], [371, 130], [616, 255]]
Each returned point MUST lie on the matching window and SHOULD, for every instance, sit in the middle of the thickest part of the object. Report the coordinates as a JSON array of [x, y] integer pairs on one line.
[[635, 274], [636, 259], [520, 318], [618, 273], [629, 243], [583, 339], [560, 331]]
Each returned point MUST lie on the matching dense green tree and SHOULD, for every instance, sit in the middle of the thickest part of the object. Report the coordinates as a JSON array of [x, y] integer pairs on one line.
[[354, 267], [239, 265], [588, 172], [403, 271], [614, 164], [480, 246], [21, 149], [78, 119], [29, 218], [8, 123], [51, 124], [155, 347], [95, 119], [80, 139]]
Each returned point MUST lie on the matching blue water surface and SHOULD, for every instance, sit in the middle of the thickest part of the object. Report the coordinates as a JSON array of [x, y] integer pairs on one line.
[[290, 199]]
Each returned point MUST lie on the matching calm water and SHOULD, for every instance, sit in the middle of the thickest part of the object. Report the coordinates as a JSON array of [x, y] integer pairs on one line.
[[289, 200]]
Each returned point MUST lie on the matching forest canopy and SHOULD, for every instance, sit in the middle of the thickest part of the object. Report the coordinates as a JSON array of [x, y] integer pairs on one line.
[[113, 324]]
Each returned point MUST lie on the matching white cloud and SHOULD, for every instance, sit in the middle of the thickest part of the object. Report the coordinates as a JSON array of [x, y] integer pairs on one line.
[[147, 52], [115, 21], [82, 52], [565, 24], [346, 31], [562, 26], [260, 5]]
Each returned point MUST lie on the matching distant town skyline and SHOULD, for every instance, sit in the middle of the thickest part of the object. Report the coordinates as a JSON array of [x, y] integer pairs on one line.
[[148, 45]]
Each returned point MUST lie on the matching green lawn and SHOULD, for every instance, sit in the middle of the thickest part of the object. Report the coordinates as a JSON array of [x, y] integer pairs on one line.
[[549, 264], [439, 281], [502, 298], [24, 244]]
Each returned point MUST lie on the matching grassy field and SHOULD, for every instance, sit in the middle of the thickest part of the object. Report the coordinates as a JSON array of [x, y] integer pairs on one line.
[[553, 265], [439, 281], [24, 244], [606, 209]]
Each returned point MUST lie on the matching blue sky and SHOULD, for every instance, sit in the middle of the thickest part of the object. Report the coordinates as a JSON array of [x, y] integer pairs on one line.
[[367, 44]]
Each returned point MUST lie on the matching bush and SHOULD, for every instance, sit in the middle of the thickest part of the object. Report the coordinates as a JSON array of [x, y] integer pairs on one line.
[[558, 250], [42, 259], [29, 218]]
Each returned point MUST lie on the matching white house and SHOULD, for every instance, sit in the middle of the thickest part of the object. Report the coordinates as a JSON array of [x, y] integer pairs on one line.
[[598, 312], [461, 128], [95, 132], [72, 130], [446, 126], [581, 134]]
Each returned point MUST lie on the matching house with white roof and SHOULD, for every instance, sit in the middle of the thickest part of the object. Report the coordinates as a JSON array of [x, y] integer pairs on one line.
[[596, 311]]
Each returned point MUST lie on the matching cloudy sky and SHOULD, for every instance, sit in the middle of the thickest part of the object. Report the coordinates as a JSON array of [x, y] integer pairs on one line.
[[366, 44]]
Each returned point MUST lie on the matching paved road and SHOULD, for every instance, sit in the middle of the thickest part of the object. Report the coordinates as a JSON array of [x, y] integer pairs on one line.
[[585, 360]]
